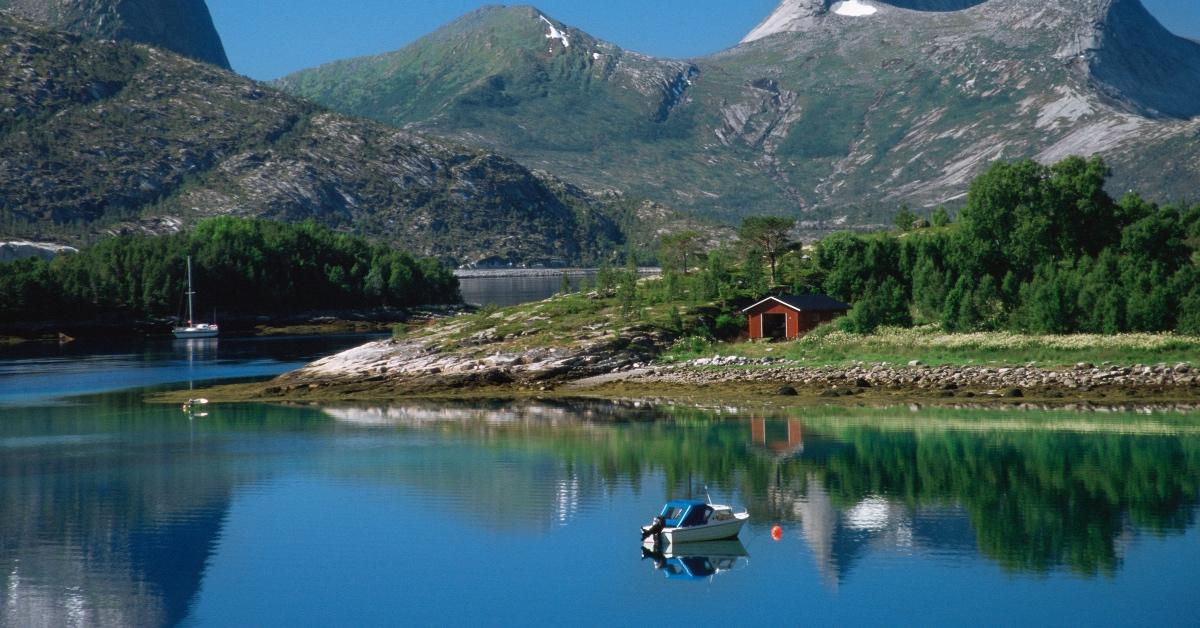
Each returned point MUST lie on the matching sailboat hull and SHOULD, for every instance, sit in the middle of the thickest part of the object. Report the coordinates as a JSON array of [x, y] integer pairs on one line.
[[199, 331]]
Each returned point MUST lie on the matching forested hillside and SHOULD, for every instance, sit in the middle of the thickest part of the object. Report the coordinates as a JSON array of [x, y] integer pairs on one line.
[[1042, 249], [1037, 248], [240, 266]]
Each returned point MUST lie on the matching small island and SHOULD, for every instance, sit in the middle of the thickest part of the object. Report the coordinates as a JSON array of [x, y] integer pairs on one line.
[[1100, 303]]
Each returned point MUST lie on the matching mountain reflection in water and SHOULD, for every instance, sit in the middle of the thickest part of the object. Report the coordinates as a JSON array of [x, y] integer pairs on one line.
[[1030, 500], [119, 513]]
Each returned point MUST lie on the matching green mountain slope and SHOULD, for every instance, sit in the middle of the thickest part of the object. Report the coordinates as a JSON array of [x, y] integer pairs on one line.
[[829, 111], [100, 137], [184, 26], [512, 79]]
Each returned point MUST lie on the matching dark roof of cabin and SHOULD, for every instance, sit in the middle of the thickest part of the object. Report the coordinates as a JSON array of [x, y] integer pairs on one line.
[[807, 303]]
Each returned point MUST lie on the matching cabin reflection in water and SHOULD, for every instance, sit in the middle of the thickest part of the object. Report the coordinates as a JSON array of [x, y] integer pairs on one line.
[[791, 445]]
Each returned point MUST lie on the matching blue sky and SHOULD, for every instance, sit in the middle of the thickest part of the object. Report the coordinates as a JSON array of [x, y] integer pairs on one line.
[[266, 39]]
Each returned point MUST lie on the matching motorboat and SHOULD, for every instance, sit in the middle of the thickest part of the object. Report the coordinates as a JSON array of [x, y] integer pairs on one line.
[[696, 561], [693, 520], [194, 329]]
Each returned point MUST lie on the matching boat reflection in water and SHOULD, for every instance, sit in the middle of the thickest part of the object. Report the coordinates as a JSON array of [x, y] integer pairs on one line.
[[697, 561]]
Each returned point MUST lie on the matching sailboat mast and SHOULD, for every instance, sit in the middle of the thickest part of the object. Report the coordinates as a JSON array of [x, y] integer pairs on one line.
[[191, 315]]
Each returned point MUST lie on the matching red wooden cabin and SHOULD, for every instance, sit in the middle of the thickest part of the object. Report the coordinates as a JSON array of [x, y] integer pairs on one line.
[[792, 316]]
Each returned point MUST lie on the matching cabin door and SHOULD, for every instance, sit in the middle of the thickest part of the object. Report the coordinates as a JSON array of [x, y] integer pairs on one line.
[[774, 326]]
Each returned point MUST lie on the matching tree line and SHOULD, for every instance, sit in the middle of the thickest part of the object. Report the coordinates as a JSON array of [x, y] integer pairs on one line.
[[243, 266], [1036, 248]]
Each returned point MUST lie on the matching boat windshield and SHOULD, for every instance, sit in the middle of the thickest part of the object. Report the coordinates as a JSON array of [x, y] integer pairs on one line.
[[722, 514], [696, 516]]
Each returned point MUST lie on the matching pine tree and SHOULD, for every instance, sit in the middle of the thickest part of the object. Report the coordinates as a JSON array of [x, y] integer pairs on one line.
[[905, 218], [769, 236], [929, 289], [940, 217]]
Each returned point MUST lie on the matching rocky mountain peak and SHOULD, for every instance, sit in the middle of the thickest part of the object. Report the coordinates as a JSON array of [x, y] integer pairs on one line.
[[789, 16], [804, 15], [801, 15], [1117, 46], [183, 26], [1130, 57]]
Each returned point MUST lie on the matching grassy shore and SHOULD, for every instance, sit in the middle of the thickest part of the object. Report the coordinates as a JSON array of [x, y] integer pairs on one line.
[[929, 345], [497, 353], [562, 321]]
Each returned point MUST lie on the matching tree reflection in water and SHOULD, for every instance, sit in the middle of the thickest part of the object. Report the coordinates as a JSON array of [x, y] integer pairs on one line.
[[112, 508], [1032, 491]]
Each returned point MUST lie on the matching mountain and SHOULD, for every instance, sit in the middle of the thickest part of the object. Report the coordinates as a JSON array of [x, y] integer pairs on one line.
[[184, 26], [514, 81], [501, 58], [101, 136], [837, 112]]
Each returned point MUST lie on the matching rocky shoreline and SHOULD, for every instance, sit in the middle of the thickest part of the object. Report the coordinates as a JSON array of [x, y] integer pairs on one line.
[[620, 366], [414, 365], [1180, 380]]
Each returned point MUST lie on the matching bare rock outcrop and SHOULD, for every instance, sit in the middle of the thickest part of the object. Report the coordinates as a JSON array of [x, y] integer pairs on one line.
[[183, 26]]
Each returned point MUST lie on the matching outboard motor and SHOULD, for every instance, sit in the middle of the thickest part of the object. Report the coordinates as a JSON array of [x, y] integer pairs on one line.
[[656, 526], [660, 560]]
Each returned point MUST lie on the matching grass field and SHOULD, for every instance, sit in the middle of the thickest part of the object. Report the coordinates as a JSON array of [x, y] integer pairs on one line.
[[562, 321], [828, 346]]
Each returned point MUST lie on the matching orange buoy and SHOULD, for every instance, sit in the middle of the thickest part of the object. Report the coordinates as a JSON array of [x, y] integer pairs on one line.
[[777, 533]]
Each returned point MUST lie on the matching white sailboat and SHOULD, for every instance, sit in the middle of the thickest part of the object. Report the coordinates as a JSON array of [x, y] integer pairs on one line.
[[194, 329]]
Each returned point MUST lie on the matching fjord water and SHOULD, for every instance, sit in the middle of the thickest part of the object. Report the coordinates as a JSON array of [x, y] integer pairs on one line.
[[513, 287], [119, 512]]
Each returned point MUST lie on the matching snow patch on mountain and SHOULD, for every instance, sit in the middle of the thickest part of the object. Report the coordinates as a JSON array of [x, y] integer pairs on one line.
[[555, 33], [854, 8]]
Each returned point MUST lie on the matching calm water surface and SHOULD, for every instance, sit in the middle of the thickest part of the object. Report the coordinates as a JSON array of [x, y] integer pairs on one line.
[[518, 287], [119, 513]]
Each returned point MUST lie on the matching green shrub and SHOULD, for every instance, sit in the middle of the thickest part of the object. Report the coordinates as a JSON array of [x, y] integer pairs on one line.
[[880, 305], [729, 325], [688, 347]]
